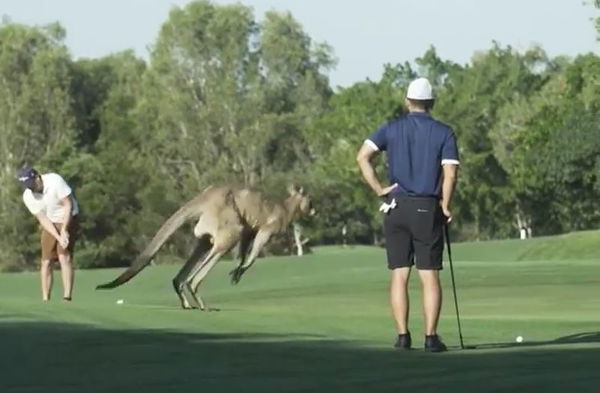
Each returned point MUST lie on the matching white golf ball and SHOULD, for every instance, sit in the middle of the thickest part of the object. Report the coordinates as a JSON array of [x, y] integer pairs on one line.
[[120, 301], [519, 339]]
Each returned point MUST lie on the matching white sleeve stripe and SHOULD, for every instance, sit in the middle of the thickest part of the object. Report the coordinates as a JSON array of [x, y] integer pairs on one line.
[[446, 161], [371, 144]]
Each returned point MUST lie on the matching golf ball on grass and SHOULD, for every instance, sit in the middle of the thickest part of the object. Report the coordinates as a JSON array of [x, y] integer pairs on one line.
[[519, 339], [120, 301]]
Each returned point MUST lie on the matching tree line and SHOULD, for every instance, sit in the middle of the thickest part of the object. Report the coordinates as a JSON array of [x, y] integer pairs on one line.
[[225, 97]]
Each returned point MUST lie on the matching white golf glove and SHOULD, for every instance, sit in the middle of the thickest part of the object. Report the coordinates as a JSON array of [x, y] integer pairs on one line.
[[386, 207]]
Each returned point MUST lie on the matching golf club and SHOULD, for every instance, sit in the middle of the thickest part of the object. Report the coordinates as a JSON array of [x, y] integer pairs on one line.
[[447, 236]]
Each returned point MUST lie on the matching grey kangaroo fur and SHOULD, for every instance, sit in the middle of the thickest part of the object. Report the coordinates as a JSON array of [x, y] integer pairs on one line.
[[226, 216]]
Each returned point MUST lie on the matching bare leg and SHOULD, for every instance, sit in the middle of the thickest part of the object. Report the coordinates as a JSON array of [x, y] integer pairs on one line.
[[432, 299], [46, 278], [66, 271], [399, 301]]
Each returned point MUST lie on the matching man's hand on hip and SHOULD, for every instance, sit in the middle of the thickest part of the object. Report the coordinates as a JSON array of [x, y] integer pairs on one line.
[[385, 191]]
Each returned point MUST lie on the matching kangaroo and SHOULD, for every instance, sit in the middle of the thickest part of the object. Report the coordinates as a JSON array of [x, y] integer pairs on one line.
[[226, 216]]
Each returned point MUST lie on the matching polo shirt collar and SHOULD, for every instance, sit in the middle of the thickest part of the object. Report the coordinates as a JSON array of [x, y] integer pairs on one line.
[[421, 114]]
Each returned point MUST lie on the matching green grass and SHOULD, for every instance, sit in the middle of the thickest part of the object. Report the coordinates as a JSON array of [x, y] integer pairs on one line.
[[319, 324]]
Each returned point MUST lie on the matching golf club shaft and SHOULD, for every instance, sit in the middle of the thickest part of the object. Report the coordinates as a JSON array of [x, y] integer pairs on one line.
[[447, 236]]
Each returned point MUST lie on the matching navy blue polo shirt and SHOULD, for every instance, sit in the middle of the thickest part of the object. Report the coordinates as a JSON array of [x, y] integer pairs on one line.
[[417, 146]]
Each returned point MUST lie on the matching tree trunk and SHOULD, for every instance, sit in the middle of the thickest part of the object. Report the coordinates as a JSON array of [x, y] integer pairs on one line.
[[524, 225], [521, 226], [298, 239]]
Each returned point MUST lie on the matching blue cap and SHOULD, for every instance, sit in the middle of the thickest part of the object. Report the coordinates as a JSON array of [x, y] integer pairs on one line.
[[26, 177]]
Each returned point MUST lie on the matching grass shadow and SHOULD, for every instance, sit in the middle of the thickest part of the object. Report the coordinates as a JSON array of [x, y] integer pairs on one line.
[[56, 357], [578, 338]]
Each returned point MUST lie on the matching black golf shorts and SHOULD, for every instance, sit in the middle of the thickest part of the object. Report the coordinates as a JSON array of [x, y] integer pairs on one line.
[[414, 233]]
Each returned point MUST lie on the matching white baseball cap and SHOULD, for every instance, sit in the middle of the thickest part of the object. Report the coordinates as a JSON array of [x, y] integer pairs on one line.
[[420, 89]]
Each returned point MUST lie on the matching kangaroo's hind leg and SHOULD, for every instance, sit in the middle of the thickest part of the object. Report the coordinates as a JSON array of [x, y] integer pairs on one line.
[[262, 237], [225, 239], [203, 246], [246, 241], [201, 268]]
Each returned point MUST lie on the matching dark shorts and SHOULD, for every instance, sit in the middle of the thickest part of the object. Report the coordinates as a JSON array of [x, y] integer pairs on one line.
[[51, 248], [414, 233]]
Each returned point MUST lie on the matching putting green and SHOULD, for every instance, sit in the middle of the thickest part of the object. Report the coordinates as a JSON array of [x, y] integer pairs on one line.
[[318, 323]]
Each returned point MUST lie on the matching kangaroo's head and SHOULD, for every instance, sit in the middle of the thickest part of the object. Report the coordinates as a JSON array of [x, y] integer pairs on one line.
[[303, 202]]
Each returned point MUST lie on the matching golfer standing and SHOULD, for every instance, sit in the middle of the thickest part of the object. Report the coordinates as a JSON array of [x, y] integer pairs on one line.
[[422, 159], [50, 199]]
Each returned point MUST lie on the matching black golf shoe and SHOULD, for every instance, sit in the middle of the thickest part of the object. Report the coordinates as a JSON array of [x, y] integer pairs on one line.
[[434, 344], [403, 342]]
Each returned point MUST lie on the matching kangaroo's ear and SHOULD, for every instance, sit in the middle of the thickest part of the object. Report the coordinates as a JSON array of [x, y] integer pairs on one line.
[[291, 189], [301, 190]]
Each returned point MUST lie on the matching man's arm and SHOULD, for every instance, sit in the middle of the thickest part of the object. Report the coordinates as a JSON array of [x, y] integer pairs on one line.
[[49, 227], [68, 204], [450, 172], [65, 193], [363, 158]]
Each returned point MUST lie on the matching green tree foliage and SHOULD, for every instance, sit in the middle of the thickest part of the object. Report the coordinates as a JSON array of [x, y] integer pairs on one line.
[[109, 177], [597, 4], [470, 101], [225, 97], [217, 80], [355, 113], [550, 142], [36, 121]]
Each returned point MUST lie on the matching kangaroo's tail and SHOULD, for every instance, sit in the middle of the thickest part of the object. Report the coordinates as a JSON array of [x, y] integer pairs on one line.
[[185, 213]]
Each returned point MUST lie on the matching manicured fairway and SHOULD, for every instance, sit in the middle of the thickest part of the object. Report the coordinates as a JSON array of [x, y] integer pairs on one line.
[[319, 323]]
